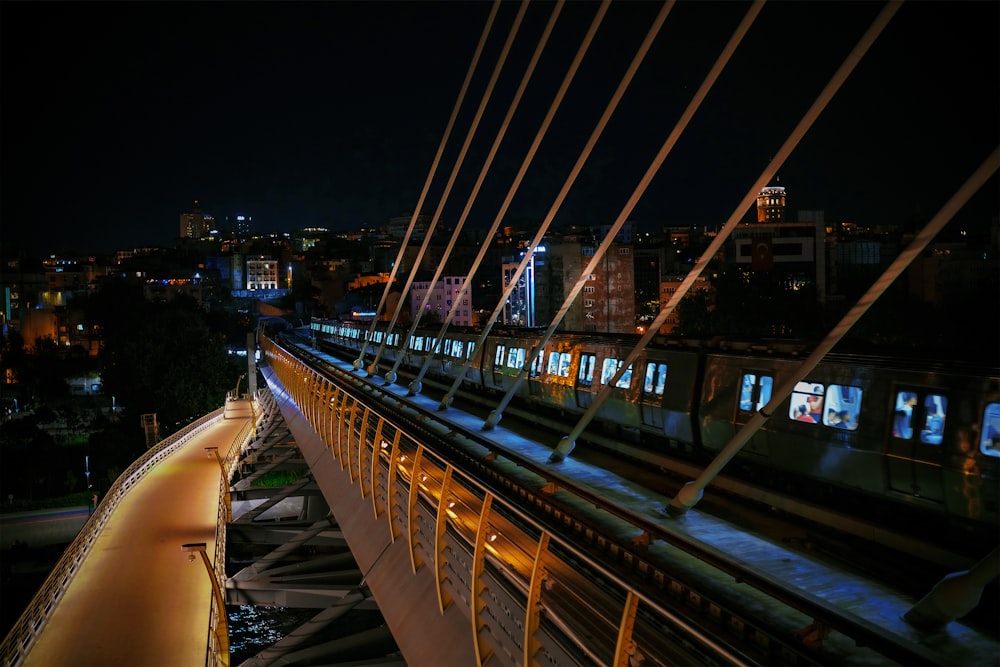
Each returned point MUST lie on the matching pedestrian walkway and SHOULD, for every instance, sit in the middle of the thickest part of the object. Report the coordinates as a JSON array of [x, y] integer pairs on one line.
[[137, 598]]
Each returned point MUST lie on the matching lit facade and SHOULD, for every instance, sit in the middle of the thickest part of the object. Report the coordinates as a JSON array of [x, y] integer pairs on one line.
[[606, 303], [443, 296], [196, 224], [262, 273]]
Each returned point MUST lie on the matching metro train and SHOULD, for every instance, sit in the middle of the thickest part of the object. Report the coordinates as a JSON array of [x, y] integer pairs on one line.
[[917, 439]]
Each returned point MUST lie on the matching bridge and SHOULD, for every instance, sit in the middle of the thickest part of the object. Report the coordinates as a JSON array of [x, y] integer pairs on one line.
[[475, 548]]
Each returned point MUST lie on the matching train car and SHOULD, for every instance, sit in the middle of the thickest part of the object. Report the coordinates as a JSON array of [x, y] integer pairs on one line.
[[918, 437]]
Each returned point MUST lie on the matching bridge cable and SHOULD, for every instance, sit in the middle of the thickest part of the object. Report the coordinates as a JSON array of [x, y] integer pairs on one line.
[[595, 135], [691, 492], [359, 362], [390, 377], [373, 367], [457, 299], [567, 443], [532, 150], [599, 254]]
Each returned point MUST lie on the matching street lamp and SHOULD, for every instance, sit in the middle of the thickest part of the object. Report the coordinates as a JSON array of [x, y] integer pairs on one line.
[[209, 451], [222, 624], [236, 393]]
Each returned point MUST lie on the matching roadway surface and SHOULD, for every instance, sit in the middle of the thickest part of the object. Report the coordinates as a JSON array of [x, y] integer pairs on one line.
[[41, 528], [137, 599]]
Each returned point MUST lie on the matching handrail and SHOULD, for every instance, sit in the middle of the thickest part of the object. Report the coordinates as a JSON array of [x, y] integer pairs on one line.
[[489, 495], [25, 632], [218, 655]]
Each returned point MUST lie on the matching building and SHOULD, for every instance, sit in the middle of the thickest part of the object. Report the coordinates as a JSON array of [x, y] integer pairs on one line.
[[669, 285], [606, 304], [792, 252], [262, 273], [196, 224], [440, 299]]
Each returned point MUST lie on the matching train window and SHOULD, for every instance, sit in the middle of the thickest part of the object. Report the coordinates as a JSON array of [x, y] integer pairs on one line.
[[538, 364], [609, 369], [498, 358], [990, 444], [585, 376], [843, 403], [756, 391], [902, 426], [935, 410], [456, 348], [418, 343], [806, 403], [447, 347], [468, 350], [515, 358], [656, 378], [559, 364]]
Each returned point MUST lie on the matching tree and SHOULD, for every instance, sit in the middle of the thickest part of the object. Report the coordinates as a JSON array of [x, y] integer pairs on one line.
[[162, 357]]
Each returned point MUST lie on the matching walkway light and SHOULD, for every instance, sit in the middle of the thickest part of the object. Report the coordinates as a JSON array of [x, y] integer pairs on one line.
[[222, 625]]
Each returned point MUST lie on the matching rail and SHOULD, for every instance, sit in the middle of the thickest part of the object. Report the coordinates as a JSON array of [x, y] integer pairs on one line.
[[32, 621]]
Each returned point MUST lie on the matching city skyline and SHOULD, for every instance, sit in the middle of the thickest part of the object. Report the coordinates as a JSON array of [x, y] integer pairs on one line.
[[330, 114]]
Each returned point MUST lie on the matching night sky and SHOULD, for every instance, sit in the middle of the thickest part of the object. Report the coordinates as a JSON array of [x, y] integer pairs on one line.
[[116, 117]]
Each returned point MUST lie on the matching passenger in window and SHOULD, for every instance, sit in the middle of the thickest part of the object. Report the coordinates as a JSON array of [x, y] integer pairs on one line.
[[815, 404], [901, 425], [803, 415], [933, 426], [992, 441], [832, 418], [844, 420]]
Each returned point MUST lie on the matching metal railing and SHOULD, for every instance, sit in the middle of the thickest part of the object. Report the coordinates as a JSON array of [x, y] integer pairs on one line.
[[29, 626], [531, 593]]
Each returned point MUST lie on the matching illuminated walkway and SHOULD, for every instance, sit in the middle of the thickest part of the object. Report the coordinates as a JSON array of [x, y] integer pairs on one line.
[[137, 598]]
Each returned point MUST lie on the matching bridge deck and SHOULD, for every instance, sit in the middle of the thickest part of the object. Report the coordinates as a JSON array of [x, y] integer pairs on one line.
[[137, 599]]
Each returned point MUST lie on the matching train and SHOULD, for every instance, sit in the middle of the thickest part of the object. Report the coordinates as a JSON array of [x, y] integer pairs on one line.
[[906, 440]]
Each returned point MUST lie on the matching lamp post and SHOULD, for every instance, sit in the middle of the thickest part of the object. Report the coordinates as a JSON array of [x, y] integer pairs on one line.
[[222, 624], [225, 478], [236, 392]]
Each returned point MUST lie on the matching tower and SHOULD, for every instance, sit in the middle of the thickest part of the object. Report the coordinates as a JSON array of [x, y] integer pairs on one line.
[[771, 204]]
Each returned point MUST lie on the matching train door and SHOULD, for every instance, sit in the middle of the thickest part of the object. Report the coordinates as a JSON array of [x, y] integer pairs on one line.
[[755, 392], [652, 394], [585, 380], [913, 450], [499, 357], [535, 379]]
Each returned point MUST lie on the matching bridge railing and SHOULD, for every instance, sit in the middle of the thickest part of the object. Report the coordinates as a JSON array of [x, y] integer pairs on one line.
[[531, 594], [218, 623], [25, 632]]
